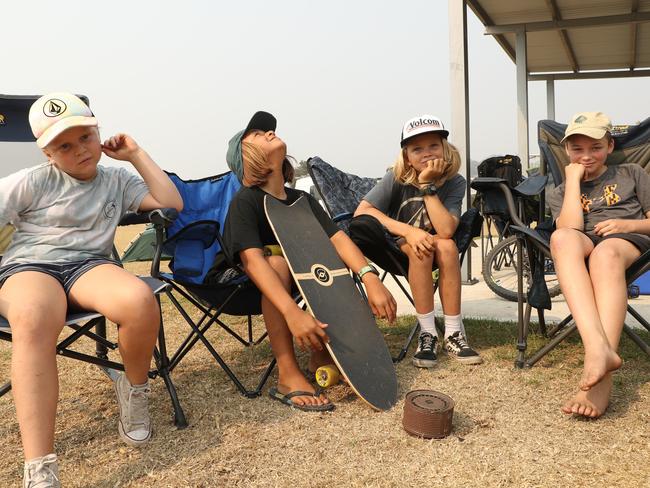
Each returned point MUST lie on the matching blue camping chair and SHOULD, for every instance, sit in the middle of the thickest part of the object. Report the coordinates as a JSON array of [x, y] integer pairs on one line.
[[17, 139], [194, 241]]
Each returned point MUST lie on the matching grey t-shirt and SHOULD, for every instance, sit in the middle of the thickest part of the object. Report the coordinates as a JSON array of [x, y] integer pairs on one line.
[[60, 219], [621, 192], [410, 207]]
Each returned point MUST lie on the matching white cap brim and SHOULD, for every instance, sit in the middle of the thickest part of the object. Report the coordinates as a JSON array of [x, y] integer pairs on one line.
[[63, 125]]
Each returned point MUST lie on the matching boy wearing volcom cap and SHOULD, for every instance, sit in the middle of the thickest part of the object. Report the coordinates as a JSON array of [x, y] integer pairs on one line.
[[602, 218], [65, 213], [411, 215], [259, 158]]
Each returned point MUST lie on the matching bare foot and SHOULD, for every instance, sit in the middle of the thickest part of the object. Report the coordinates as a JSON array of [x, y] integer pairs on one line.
[[597, 364], [318, 359], [298, 382], [592, 403]]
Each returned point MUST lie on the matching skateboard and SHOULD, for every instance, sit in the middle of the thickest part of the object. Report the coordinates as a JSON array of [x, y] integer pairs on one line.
[[356, 344]]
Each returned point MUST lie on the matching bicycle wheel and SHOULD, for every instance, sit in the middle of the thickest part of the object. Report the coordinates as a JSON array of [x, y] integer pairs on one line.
[[500, 271]]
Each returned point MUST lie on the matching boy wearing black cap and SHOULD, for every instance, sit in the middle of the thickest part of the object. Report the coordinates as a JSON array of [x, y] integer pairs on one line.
[[259, 158], [602, 218]]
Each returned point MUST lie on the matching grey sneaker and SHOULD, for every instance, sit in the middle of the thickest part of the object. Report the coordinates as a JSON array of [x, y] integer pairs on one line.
[[457, 347], [426, 354], [42, 472], [134, 425]]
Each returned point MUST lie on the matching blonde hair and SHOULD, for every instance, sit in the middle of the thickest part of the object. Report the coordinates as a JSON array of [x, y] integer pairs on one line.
[[405, 174], [257, 168]]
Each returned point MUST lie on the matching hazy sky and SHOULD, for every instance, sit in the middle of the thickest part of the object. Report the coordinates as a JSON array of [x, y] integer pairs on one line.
[[341, 76]]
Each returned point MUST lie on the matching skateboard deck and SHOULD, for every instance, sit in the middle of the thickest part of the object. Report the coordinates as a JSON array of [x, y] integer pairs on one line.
[[356, 344]]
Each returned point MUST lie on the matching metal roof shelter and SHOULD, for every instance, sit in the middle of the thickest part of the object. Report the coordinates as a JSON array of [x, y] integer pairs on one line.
[[548, 40]]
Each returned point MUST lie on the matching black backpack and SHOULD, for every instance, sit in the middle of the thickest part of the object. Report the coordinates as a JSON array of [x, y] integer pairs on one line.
[[507, 167]]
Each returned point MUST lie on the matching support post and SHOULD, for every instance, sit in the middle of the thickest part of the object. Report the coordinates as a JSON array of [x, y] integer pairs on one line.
[[522, 97], [459, 83]]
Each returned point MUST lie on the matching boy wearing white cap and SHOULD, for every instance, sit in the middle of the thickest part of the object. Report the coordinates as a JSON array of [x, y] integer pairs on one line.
[[65, 213], [602, 218], [416, 206]]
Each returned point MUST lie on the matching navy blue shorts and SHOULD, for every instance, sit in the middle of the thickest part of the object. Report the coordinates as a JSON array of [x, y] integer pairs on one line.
[[65, 273]]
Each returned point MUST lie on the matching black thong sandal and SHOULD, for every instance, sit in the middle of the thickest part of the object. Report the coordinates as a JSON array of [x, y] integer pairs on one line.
[[286, 399]]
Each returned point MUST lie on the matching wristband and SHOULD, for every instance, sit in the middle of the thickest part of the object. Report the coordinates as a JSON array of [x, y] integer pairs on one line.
[[369, 268], [429, 190]]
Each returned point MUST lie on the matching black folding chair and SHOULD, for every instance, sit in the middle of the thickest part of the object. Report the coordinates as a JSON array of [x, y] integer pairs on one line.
[[632, 144], [342, 192], [17, 134]]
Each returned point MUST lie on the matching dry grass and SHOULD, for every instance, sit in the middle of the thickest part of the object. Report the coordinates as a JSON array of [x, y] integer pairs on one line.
[[508, 429]]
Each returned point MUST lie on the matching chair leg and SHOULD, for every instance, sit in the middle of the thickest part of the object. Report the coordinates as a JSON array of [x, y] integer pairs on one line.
[[162, 365], [402, 352], [6, 388], [636, 339], [530, 362]]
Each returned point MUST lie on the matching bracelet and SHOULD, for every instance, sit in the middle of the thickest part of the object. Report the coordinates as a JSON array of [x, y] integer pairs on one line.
[[369, 268]]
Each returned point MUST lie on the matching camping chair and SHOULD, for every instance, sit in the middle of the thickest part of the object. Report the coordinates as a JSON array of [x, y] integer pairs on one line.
[[632, 144], [342, 192], [194, 241], [15, 141]]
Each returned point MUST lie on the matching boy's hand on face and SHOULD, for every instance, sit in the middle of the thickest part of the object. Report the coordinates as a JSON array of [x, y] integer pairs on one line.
[[614, 226], [308, 331], [575, 172], [122, 147], [434, 170], [421, 241]]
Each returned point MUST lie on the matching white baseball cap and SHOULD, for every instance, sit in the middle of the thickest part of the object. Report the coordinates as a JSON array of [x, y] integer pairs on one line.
[[56, 112], [421, 125]]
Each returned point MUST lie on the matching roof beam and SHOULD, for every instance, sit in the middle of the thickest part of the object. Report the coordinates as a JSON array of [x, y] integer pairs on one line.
[[634, 33], [585, 22], [589, 75], [564, 37], [487, 21]]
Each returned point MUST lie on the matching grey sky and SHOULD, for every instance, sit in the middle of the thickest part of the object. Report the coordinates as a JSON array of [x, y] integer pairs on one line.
[[341, 76]]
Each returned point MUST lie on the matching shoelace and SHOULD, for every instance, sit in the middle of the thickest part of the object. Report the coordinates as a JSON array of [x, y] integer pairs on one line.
[[137, 404], [460, 341], [40, 471], [426, 341]]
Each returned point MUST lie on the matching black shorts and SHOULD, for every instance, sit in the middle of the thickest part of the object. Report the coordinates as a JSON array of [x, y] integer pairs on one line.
[[65, 273], [641, 242]]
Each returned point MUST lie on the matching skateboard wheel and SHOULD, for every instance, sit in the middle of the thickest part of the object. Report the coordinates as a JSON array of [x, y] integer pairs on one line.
[[327, 375], [272, 250]]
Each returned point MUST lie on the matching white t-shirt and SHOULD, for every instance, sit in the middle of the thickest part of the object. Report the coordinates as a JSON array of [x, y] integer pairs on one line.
[[60, 219]]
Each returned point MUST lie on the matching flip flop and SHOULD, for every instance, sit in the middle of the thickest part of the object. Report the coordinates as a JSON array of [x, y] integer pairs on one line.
[[286, 399]]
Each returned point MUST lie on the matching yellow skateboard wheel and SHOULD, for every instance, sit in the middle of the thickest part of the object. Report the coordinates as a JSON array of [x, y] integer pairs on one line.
[[327, 375], [272, 250]]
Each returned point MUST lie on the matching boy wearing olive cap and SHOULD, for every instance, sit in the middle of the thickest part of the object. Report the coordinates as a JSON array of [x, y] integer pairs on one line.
[[602, 218]]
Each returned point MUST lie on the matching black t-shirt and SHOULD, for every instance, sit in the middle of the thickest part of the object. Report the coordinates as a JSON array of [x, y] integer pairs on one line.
[[246, 225]]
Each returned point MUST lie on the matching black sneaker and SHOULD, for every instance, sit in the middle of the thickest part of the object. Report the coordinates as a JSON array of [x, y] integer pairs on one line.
[[425, 355], [457, 347]]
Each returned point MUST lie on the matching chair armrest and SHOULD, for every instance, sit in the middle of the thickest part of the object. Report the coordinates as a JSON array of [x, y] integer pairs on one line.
[[343, 216], [160, 216], [533, 185]]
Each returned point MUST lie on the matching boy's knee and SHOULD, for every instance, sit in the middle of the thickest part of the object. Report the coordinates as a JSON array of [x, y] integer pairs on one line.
[[603, 256], [422, 261], [36, 324], [139, 301], [561, 238], [281, 267], [446, 249]]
